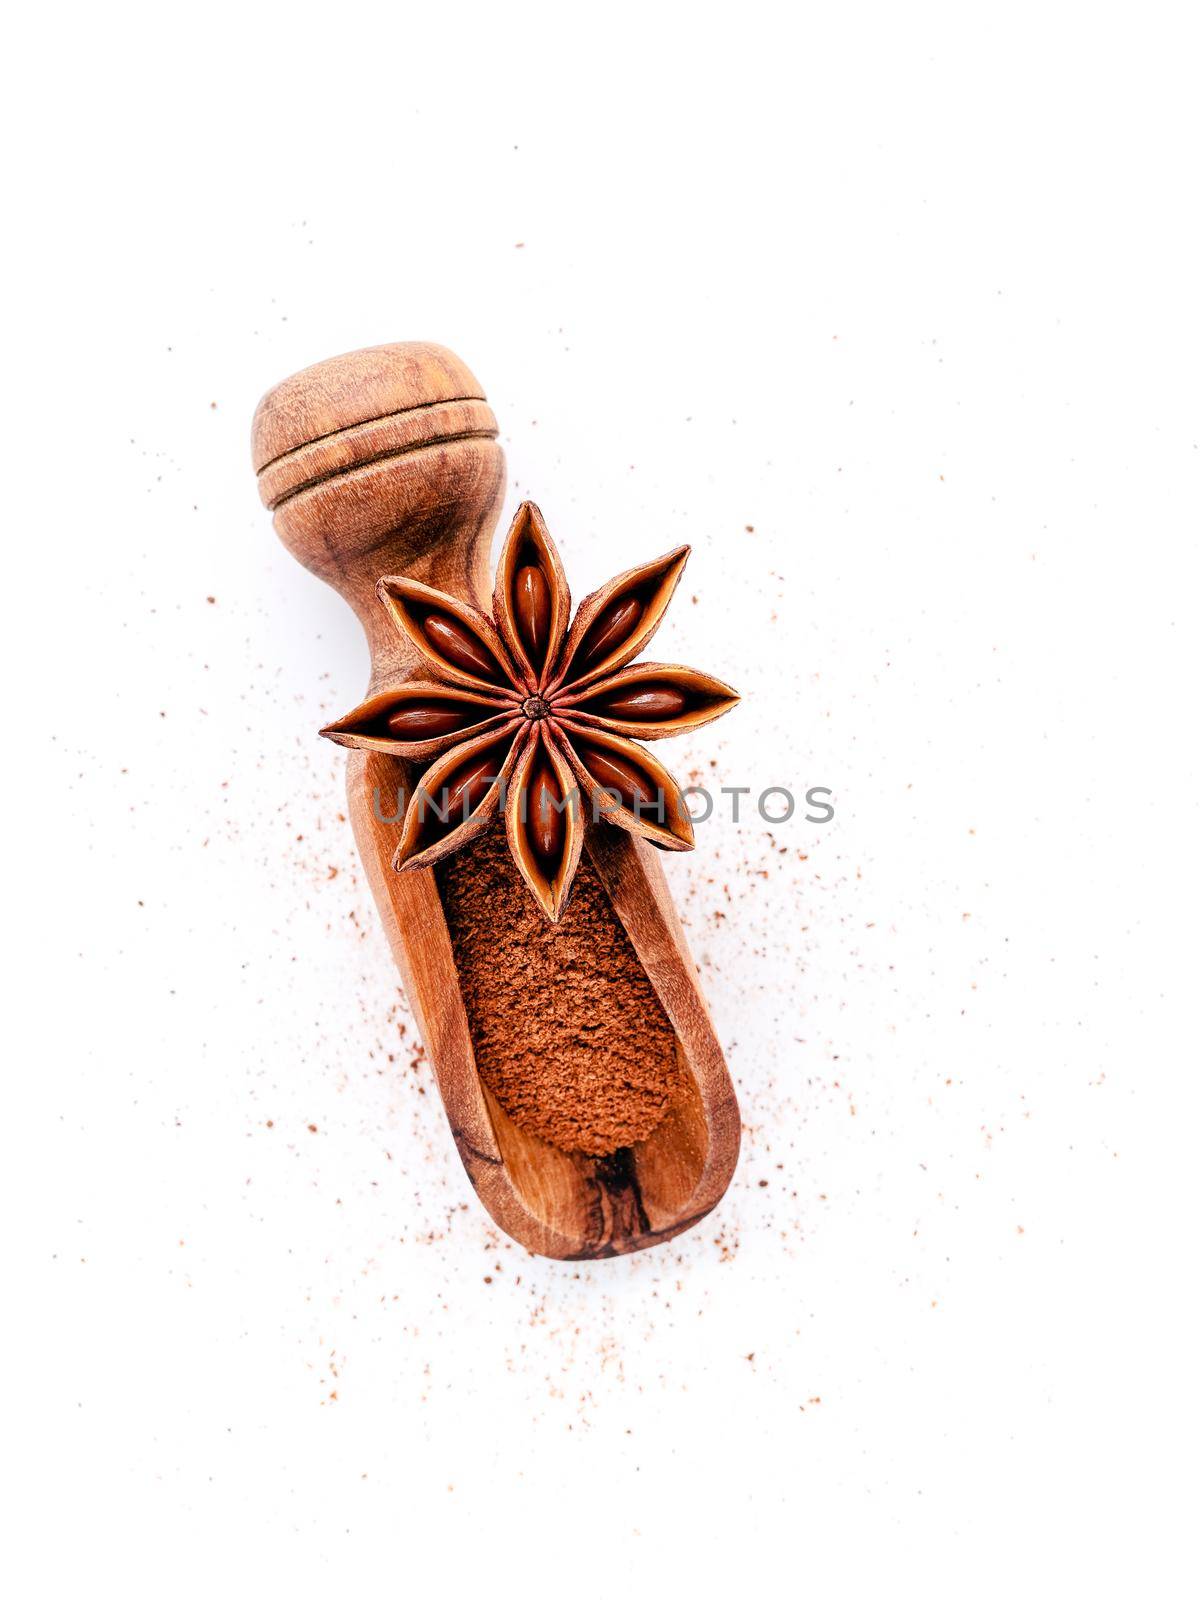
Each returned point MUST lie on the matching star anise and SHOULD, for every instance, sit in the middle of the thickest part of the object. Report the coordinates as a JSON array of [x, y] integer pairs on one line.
[[539, 715]]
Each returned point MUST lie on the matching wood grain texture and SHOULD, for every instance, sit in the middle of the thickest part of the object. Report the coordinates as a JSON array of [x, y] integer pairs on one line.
[[386, 462]]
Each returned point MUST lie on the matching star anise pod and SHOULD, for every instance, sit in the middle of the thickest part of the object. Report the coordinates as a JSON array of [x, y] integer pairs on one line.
[[527, 710]]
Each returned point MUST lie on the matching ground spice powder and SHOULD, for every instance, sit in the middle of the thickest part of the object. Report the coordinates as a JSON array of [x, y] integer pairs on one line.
[[569, 1035]]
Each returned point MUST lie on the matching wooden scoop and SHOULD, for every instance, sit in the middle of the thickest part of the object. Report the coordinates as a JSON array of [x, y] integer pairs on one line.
[[385, 462]]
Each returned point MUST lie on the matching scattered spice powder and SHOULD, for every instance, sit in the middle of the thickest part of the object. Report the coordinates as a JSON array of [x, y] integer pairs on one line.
[[569, 1035]]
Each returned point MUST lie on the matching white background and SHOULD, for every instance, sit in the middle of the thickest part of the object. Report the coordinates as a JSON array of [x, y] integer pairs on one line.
[[911, 293]]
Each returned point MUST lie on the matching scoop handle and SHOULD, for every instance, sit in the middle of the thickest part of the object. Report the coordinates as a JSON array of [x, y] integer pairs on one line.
[[385, 461]]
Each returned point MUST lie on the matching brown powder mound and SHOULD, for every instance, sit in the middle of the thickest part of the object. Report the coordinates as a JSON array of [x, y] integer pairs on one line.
[[569, 1035]]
